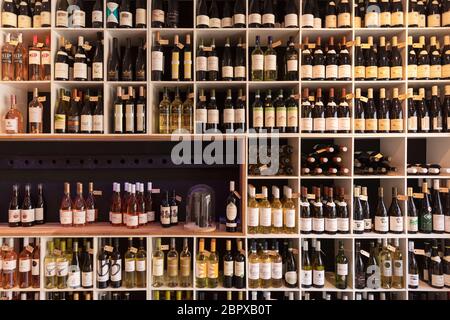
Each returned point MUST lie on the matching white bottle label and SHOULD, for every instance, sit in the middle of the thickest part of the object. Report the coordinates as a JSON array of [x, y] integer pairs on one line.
[[130, 265], [49, 268], [239, 268], [253, 217], [132, 220], [97, 123], [35, 267], [414, 280], [62, 70], [398, 268], [239, 115], [291, 20], [231, 211], [265, 271], [253, 273], [318, 224], [289, 217], [270, 62], [331, 71], [343, 224], [227, 71], [277, 270], [79, 18], [62, 19], [97, 70], [307, 20], [413, 224], [438, 222], [116, 270], [24, 265], [344, 71], [13, 216], [342, 269], [201, 115], [358, 225], [35, 115], [239, 72], [277, 216], [381, 224], [158, 267], [74, 279], [201, 63], [86, 122], [202, 20], [306, 277], [79, 217], [39, 214], [319, 124], [437, 280], [396, 224], [291, 277], [80, 70], [331, 225], [319, 277], [344, 19], [305, 224], [65, 216], [307, 71], [318, 72], [447, 224], [157, 15], [372, 19], [157, 61], [268, 18], [213, 63], [331, 124], [97, 16], [27, 215], [228, 268], [239, 18], [213, 116], [254, 18], [227, 22], [292, 65], [265, 217]]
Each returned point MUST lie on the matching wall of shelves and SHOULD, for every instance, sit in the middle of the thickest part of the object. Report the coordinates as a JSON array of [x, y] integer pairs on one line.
[[401, 146]]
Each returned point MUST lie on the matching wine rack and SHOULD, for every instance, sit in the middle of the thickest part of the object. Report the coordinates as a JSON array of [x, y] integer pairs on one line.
[[404, 147]]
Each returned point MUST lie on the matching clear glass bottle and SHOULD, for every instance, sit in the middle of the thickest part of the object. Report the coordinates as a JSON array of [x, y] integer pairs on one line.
[[158, 264], [172, 264], [185, 265], [35, 111], [13, 121]]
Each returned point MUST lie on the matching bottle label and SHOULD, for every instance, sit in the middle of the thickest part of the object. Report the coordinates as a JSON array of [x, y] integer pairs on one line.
[[213, 116], [175, 65], [447, 280], [318, 224], [344, 124], [213, 270], [80, 70], [307, 124], [158, 267], [384, 124], [202, 20], [397, 124], [39, 214], [112, 12], [385, 18], [437, 280], [239, 18], [79, 217], [435, 71], [61, 70], [35, 115], [253, 273], [306, 276], [372, 72], [268, 18], [447, 224], [412, 123], [290, 20], [13, 216], [49, 268], [86, 279], [239, 72], [132, 220], [397, 72], [277, 216], [116, 270], [412, 71], [227, 22], [129, 118], [307, 20], [265, 218], [254, 18], [214, 23], [239, 268], [344, 19], [434, 20], [126, 19], [157, 61], [228, 268], [239, 115], [318, 72], [425, 123], [269, 117], [227, 71], [367, 224], [398, 268], [24, 265], [413, 224], [319, 124], [97, 125], [201, 115], [383, 72], [165, 215], [290, 277], [319, 277], [258, 117], [130, 265], [386, 268], [34, 57], [289, 217], [172, 267], [65, 216], [331, 225], [187, 64], [413, 280], [79, 18], [360, 72], [253, 217], [281, 117], [423, 71], [292, 65], [9, 18], [371, 124], [413, 18], [200, 270], [97, 16], [158, 15], [74, 279], [213, 63], [270, 62], [231, 211], [344, 71], [438, 222], [116, 217], [306, 224], [24, 21], [446, 70], [86, 122], [331, 21], [343, 224], [150, 216], [27, 215], [35, 267], [307, 71], [62, 19], [372, 19], [396, 224], [331, 71], [358, 225], [201, 63], [173, 214], [381, 224], [97, 70], [360, 124], [342, 269], [331, 124]]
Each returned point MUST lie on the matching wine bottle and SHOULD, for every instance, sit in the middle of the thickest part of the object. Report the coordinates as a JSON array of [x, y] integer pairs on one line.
[[395, 214], [437, 210], [227, 17], [140, 67], [213, 63], [86, 115], [436, 271], [268, 17], [158, 14], [24, 16], [115, 274], [239, 65], [269, 113], [114, 62], [425, 212], [270, 62], [358, 214], [202, 19], [344, 14], [157, 59], [97, 14], [318, 217], [307, 61], [381, 215], [423, 61], [385, 261], [318, 62], [125, 15], [257, 62], [74, 272], [129, 118], [214, 19], [341, 274], [290, 276], [372, 14], [228, 266], [291, 15], [413, 269], [227, 64], [9, 14], [78, 15], [172, 14], [433, 14], [254, 19], [331, 15], [360, 275], [239, 12], [307, 268], [308, 14], [126, 72], [291, 58]]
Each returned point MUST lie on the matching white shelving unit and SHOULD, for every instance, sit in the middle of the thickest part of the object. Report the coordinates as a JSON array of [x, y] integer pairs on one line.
[[394, 144]]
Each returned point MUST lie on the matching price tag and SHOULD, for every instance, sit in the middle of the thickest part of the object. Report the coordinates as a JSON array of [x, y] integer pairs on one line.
[[108, 248], [402, 197], [271, 252], [163, 42], [419, 252], [93, 99], [363, 99], [178, 198], [417, 97], [259, 196], [14, 42], [391, 248], [202, 98], [87, 47], [417, 45], [42, 99], [39, 45], [97, 193], [276, 44], [365, 46], [410, 95], [164, 247], [443, 190], [156, 191], [206, 253], [125, 97], [310, 196], [29, 248], [66, 98], [180, 46], [5, 248], [298, 45], [350, 43], [91, 251], [191, 95], [237, 194], [133, 250], [363, 198], [76, 99], [68, 46], [418, 195], [349, 96], [401, 45], [365, 253], [57, 252], [311, 45], [296, 195], [207, 49], [402, 97], [311, 98]]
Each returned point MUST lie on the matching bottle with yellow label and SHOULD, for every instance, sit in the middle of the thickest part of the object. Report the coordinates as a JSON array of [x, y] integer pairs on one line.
[[213, 266], [185, 265], [201, 265], [172, 264]]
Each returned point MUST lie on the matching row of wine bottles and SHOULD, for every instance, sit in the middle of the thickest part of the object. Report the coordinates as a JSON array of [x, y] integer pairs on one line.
[[426, 169], [324, 160], [22, 63], [26, 14], [259, 164]]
